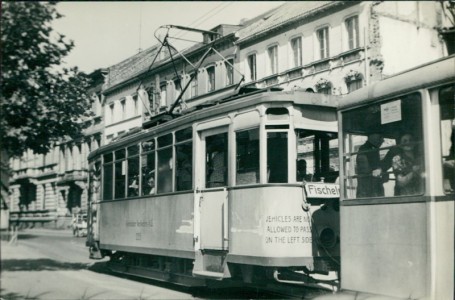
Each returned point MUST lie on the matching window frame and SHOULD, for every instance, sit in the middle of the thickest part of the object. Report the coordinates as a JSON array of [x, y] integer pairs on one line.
[[211, 78], [177, 87], [105, 165], [323, 42], [163, 94], [194, 86], [123, 107], [162, 150], [119, 160], [143, 167], [352, 32], [252, 68], [272, 56], [354, 85], [229, 69], [348, 167], [297, 58], [257, 164], [179, 142]]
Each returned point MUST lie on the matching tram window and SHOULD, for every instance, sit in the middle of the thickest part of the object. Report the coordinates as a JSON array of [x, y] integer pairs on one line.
[[133, 150], [277, 157], [247, 156], [383, 150], [164, 175], [148, 168], [165, 140], [133, 171], [184, 159], [184, 134], [108, 157], [317, 156], [120, 174], [184, 166], [120, 154], [108, 169], [216, 158], [447, 112]]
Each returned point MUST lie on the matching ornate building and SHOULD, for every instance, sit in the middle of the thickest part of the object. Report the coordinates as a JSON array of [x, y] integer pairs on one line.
[[335, 47]]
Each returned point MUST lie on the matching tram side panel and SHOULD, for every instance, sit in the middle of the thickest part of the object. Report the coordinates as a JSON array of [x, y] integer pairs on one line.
[[269, 227], [158, 225], [397, 236]]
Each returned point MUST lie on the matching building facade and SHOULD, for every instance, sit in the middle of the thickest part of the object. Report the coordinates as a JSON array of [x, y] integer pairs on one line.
[[336, 47]]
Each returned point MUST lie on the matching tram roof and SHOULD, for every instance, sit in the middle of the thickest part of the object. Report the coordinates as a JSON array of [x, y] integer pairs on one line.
[[223, 107], [431, 74]]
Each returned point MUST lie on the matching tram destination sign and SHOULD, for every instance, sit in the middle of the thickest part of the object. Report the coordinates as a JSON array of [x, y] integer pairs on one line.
[[322, 190]]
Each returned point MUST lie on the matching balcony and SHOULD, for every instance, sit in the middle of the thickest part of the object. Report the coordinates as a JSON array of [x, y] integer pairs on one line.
[[319, 66]]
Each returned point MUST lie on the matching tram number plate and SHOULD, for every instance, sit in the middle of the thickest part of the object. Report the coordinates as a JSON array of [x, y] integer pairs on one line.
[[322, 190], [138, 236]]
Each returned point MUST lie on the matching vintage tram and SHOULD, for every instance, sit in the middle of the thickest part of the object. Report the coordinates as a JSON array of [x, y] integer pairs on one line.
[[397, 215], [240, 190]]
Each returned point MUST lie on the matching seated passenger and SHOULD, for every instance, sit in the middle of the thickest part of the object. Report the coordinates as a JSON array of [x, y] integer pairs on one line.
[[405, 162]]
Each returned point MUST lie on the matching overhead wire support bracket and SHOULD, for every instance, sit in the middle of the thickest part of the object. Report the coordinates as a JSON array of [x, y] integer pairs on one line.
[[165, 43]]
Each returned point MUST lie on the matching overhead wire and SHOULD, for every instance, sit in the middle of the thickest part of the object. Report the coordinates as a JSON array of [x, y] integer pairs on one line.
[[204, 17]]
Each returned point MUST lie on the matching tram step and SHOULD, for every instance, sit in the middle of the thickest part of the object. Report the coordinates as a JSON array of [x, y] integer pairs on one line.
[[211, 264], [214, 275]]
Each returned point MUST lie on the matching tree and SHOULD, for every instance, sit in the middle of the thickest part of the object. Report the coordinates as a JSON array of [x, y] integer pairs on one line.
[[39, 103]]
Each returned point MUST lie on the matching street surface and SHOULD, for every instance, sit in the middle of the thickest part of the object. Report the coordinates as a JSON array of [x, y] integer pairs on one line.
[[53, 265]]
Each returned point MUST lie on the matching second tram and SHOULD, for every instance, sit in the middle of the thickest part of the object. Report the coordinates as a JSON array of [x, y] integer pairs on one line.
[[397, 182]]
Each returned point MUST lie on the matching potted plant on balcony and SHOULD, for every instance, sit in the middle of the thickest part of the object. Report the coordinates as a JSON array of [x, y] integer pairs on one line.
[[322, 84], [352, 75]]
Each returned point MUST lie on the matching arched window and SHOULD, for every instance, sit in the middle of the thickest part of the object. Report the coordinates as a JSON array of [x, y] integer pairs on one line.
[[324, 86]]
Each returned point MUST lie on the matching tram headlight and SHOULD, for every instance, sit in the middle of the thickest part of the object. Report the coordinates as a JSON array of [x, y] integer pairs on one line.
[[327, 238]]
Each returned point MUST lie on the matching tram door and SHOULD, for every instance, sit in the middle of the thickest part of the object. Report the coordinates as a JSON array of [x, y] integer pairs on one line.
[[213, 195]]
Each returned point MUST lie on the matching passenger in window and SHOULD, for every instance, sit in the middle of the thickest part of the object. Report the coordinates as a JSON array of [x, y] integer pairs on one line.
[[405, 160], [368, 168], [151, 185], [133, 188]]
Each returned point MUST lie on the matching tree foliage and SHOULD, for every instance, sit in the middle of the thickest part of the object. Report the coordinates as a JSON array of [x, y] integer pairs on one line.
[[41, 102]]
